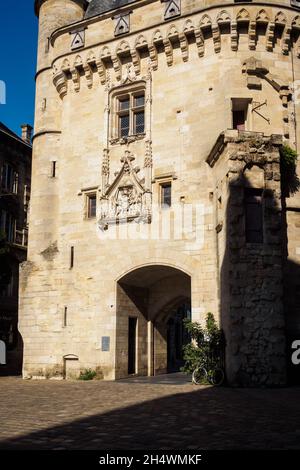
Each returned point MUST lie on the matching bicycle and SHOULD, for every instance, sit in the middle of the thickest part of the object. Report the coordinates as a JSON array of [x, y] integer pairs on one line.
[[214, 375]]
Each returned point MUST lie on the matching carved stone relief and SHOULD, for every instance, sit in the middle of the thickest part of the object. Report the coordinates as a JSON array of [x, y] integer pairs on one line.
[[127, 198], [172, 8], [78, 39], [122, 24]]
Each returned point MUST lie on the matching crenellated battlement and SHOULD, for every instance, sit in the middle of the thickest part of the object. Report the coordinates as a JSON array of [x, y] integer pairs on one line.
[[228, 31]]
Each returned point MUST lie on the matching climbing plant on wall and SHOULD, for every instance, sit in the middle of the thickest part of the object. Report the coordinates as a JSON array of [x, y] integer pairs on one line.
[[290, 182]]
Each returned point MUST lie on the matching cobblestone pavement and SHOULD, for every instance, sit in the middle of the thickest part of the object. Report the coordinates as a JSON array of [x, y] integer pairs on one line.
[[163, 413]]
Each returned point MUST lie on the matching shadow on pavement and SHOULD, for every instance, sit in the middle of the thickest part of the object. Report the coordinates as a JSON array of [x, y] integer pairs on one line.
[[200, 418], [165, 379]]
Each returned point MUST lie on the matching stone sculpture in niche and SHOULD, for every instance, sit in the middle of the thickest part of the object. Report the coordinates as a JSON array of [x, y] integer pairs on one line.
[[126, 199]]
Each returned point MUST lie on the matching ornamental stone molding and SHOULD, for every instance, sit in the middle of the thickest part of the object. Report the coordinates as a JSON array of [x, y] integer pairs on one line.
[[126, 199], [187, 33]]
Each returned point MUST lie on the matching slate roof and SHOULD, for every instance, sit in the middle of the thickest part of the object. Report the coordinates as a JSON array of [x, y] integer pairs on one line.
[[10, 133], [97, 7]]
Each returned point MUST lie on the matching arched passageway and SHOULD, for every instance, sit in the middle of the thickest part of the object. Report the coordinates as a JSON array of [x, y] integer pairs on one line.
[[152, 302]]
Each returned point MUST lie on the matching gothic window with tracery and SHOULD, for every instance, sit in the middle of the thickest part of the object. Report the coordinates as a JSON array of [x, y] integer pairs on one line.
[[129, 115]]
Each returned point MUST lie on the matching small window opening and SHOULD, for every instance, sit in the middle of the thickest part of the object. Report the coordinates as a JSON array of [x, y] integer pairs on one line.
[[240, 113], [166, 195], [72, 257], [254, 215], [91, 206], [53, 169], [65, 322]]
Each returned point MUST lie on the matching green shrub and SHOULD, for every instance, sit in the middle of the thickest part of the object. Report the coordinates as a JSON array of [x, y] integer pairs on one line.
[[88, 374], [290, 182], [288, 156], [206, 346]]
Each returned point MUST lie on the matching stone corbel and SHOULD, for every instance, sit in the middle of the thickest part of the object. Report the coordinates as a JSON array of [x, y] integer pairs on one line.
[[234, 36], [270, 36], [61, 84], [136, 61], [184, 47], [101, 71], [168, 51], [252, 35], [200, 42], [286, 39], [88, 74], [216, 37], [117, 66], [153, 56], [75, 78], [285, 95]]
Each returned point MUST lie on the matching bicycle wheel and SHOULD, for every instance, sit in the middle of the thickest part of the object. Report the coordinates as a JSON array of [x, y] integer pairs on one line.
[[199, 376], [216, 376]]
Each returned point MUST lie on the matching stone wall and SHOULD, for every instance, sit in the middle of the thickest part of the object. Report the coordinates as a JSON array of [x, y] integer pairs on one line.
[[251, 274]]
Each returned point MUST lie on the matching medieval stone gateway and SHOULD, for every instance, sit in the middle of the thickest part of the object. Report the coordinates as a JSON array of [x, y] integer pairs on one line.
[[157, 187]]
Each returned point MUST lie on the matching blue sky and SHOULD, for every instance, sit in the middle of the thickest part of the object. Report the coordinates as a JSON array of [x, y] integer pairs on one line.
[[18, 42]]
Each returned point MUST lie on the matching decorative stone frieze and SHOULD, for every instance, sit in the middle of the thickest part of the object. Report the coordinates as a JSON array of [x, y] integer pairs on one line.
[[185, 33], [126, 199]]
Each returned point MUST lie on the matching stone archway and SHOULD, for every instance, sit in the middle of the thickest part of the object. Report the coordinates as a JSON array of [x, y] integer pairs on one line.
[[147, 298]]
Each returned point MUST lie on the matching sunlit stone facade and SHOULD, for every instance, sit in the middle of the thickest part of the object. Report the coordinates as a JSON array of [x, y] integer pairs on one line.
[[156, 191]]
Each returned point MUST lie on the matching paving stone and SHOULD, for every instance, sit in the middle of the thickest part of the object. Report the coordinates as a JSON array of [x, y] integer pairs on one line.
[[155, 416]]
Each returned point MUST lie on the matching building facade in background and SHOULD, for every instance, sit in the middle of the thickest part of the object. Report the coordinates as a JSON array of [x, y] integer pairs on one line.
[[15, 177], [157, 188]]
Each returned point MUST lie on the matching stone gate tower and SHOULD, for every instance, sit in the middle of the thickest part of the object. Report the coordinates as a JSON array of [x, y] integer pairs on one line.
[[156, 189]]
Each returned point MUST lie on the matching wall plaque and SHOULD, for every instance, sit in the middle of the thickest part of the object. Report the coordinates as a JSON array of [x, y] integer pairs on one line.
[[106, 343]]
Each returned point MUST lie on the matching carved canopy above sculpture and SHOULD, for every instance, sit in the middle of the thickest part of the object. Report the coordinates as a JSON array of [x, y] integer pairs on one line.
[[126, 199]]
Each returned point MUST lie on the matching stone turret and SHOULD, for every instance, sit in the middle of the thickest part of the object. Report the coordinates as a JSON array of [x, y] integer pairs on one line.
[[54, 14]]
